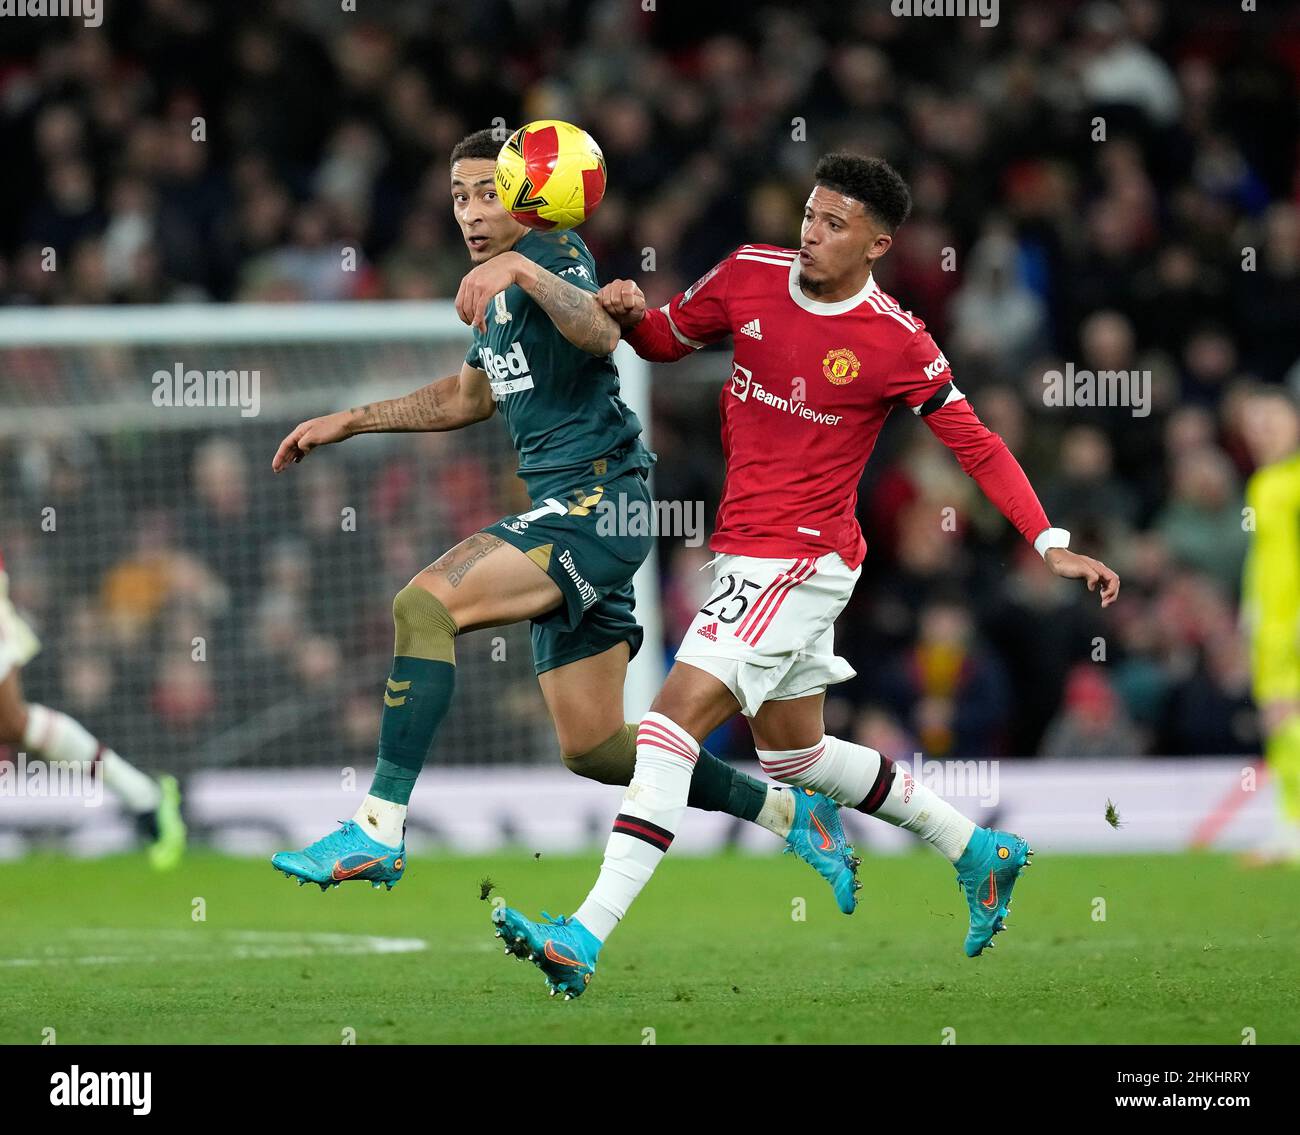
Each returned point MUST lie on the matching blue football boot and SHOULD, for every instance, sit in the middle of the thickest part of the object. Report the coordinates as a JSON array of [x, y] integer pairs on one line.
[[817, 838], [564, 950], [986, 872], [343, 855]]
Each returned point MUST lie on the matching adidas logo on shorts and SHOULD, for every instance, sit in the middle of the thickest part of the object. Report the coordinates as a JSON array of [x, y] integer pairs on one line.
[[710, 632]]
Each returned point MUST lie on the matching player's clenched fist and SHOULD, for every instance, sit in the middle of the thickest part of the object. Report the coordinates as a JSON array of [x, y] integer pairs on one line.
[[306, 436], [623, 301]]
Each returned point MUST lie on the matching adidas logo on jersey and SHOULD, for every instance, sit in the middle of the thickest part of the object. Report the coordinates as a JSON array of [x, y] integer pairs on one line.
[[710, 632], [752, 329]]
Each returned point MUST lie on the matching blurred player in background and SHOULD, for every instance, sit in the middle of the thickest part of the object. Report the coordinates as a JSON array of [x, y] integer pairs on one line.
[[541, 349], [821, 356], [51, 735], [1271, 601]]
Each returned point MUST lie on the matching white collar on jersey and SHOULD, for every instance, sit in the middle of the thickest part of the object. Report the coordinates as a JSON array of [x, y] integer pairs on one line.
[[839, 307]]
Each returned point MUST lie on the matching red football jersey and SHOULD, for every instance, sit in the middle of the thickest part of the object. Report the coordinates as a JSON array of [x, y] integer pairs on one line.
[[811, 385]]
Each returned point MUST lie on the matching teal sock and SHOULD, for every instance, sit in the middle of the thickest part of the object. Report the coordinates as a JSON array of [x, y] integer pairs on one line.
[[717, 787], [415, 702], [418, 691]]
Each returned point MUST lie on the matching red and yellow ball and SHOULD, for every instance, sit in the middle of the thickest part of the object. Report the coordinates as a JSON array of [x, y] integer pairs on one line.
[[550, 175]]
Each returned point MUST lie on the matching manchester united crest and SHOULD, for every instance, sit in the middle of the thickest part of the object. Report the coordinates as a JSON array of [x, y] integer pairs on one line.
[[841, 366]]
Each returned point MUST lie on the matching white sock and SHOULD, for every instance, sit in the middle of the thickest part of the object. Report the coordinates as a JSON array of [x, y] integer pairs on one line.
[[137, 790], [777, 813], [58, 737], [841, 770], [854, 775], [925, 813], [382, 820], [643, 830]]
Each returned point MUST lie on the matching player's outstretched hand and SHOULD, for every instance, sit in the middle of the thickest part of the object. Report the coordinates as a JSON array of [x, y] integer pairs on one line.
[[1071, 565], [623, 301], [306, 436]]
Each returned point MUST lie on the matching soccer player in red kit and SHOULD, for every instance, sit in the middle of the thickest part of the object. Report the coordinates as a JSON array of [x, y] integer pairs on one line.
[[821, 357]]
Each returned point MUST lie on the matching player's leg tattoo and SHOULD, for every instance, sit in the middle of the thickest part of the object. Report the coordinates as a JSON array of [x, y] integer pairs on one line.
[[460, 590], [455, 565]]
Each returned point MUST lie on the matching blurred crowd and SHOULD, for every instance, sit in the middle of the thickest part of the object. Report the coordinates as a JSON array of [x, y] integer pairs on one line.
[[199, 611], [1108, 185]]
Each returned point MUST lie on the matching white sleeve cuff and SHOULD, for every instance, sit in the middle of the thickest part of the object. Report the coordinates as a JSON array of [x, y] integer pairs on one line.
[[683, 339], [1051, 538]]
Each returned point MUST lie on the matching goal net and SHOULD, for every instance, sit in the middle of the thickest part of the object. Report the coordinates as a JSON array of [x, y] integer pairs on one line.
[[198, 611]]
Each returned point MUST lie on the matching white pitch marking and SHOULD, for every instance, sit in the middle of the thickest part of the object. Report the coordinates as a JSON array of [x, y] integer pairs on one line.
[[238, 944]]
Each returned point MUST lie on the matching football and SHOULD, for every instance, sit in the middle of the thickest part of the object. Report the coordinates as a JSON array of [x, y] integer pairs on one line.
[[550, 175]]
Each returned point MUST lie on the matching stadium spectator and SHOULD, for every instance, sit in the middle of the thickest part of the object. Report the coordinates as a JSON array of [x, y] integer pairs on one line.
[[1092, 722], [300, 153]]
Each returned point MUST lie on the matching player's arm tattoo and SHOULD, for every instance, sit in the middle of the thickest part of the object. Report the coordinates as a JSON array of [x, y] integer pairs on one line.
[[423, 409], [456, 564], [577, 314], [439, 406]]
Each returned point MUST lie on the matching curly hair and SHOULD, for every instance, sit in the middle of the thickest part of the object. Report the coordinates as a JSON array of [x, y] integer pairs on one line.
[[873, 181]]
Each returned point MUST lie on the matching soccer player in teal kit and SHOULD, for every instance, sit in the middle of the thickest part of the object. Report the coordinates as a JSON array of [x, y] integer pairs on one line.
[[541, 355]]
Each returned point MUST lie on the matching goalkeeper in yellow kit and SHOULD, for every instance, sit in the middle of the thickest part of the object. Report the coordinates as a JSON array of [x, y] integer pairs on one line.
[[1271, 600]]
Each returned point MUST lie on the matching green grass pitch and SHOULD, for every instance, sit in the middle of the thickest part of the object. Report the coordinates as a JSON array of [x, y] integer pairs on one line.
[[1192, 949]]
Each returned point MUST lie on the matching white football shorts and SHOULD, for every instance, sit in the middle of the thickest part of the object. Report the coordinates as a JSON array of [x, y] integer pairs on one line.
[[18, 644], [767, 631]]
